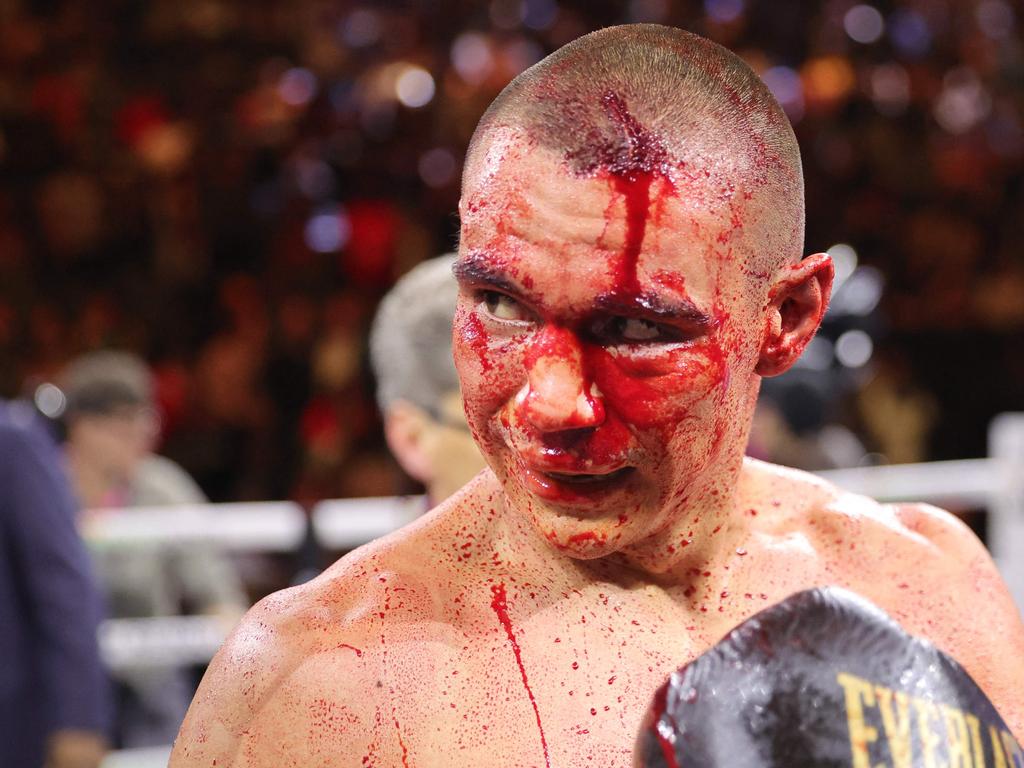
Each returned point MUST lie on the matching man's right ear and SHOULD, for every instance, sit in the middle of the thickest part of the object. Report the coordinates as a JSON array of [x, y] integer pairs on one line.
[[405, 426]]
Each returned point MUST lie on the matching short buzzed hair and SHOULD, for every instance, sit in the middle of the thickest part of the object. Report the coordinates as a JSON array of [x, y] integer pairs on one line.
[[707, 111], [411, 338]]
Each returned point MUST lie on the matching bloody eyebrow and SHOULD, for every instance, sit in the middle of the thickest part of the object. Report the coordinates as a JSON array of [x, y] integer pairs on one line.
[[475, 269], [661, 307]]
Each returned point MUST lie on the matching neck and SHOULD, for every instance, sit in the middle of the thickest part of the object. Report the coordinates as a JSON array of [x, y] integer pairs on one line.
[[702, 531], [713, 528], [706, 528]]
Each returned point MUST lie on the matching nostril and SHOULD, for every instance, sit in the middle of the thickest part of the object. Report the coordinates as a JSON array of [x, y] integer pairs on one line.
[[593, 397], [567, 439]]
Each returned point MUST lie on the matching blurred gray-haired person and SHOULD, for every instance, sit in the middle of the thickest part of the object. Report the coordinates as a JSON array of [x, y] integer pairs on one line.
[[112, 427], [417, 386]]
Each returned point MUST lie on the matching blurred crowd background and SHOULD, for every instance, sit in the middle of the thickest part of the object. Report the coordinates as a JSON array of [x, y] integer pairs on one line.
[[227, 188]]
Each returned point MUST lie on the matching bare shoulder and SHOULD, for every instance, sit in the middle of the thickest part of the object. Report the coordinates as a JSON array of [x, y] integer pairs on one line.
[[261, 662], [943, 585], [313, 653], [824, 511], [919, 563]]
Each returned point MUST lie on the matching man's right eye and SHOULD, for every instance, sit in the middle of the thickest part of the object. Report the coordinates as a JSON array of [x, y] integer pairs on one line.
[[502, 307]]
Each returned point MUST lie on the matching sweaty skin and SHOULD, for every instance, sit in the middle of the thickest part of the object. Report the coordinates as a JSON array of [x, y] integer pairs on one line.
[[610, 340]]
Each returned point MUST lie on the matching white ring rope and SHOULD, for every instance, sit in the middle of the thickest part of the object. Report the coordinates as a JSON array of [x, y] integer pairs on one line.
[[996, 483]]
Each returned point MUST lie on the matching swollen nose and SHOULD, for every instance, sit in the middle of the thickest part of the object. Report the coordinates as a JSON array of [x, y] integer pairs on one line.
[[558, 394]]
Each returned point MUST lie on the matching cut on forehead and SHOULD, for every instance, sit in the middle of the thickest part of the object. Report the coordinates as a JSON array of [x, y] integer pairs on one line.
[[648, 95]]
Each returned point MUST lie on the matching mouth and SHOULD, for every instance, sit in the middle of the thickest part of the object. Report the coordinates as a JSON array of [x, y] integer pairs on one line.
[[574, 487], [586, 478]]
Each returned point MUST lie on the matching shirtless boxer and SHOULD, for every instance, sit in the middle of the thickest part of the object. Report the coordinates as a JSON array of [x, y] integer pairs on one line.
[[632, 220]]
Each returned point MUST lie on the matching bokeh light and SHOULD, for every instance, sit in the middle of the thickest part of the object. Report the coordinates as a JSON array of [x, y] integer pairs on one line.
[[909, 32], [50, 400], [723, 11], [437, 167], [328, 230], [859, 294], [540, 14], [864, 24], [963, 101], [297, 86], [828, 81], [844, 261], [786, 86], [472, 57], [890, 89], [414, 87], [854, 349]]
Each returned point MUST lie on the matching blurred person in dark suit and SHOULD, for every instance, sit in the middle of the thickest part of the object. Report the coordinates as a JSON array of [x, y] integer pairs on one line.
[[54, 696], [417, 385], [112, 425]]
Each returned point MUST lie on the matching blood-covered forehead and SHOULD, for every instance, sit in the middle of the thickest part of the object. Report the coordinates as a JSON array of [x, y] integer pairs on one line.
[[522, 199], [716, 165]]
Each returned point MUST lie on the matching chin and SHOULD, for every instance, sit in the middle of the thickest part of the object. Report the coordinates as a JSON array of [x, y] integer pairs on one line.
[[582, 521], [579, 541], [579, 548], [595, 533]]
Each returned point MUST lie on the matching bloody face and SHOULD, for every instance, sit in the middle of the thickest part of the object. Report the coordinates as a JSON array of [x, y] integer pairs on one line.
[[606, 338]]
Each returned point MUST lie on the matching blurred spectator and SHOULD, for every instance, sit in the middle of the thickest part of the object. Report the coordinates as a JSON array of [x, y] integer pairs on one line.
[[792, 426], [417, 386], [897, 414], [111, 424], [54, 697]]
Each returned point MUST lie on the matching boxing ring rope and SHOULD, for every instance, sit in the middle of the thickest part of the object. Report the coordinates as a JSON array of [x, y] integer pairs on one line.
[[278, 527], [995, 483], [269, 526], [349, 523], [963, 483], [339, 524]]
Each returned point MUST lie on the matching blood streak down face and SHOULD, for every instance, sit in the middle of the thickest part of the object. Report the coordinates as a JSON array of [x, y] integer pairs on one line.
[[606, 334]]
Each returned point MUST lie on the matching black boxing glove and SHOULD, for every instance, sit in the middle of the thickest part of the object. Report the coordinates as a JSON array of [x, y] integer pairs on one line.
[[821, 680]]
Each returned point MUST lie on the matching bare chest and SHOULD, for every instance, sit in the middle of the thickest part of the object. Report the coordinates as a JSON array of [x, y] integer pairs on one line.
[[564, 683], [565, 680], [517, 675]]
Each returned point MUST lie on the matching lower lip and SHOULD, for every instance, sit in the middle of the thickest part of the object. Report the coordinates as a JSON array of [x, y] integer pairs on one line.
[[552, 488]]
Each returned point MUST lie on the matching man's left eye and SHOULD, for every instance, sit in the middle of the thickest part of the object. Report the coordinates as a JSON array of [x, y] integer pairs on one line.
[[632, 330]]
